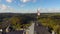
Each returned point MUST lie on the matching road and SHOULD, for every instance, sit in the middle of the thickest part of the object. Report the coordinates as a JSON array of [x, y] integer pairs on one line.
[[39, 29]]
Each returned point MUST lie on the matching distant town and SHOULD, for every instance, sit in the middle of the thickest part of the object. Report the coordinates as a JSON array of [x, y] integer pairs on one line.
[[30, 23]]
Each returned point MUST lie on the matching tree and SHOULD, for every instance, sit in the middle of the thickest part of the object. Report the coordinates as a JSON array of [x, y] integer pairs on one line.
[[52, 23], [15, 22]]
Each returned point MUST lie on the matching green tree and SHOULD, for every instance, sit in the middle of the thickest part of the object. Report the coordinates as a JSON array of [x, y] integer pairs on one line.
[[52, 23], [15, 22]]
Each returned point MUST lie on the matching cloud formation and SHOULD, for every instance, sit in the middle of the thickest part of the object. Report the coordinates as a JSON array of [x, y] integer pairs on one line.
[[9, 1], [3, 7], [6, 9], [21, 5], [24, 1], [49, 10]]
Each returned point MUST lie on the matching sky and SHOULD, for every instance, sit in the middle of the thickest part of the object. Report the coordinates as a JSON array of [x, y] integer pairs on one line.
[[29, 6]]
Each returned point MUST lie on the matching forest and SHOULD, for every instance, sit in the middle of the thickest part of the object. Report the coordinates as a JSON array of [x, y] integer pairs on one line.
[[51, 20], [18, 20]]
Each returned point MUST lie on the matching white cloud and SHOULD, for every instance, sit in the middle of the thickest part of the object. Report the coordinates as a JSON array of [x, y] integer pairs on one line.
[[21, 5], [3, 7], [6, 9], [49, 10], [24, 1], [9, 1]]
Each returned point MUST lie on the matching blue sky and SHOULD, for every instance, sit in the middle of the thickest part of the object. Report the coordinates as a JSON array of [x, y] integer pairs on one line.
[[29, 6]]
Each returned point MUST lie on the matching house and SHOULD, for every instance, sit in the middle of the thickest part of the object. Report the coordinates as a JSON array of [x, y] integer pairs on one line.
[[30, 30]]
